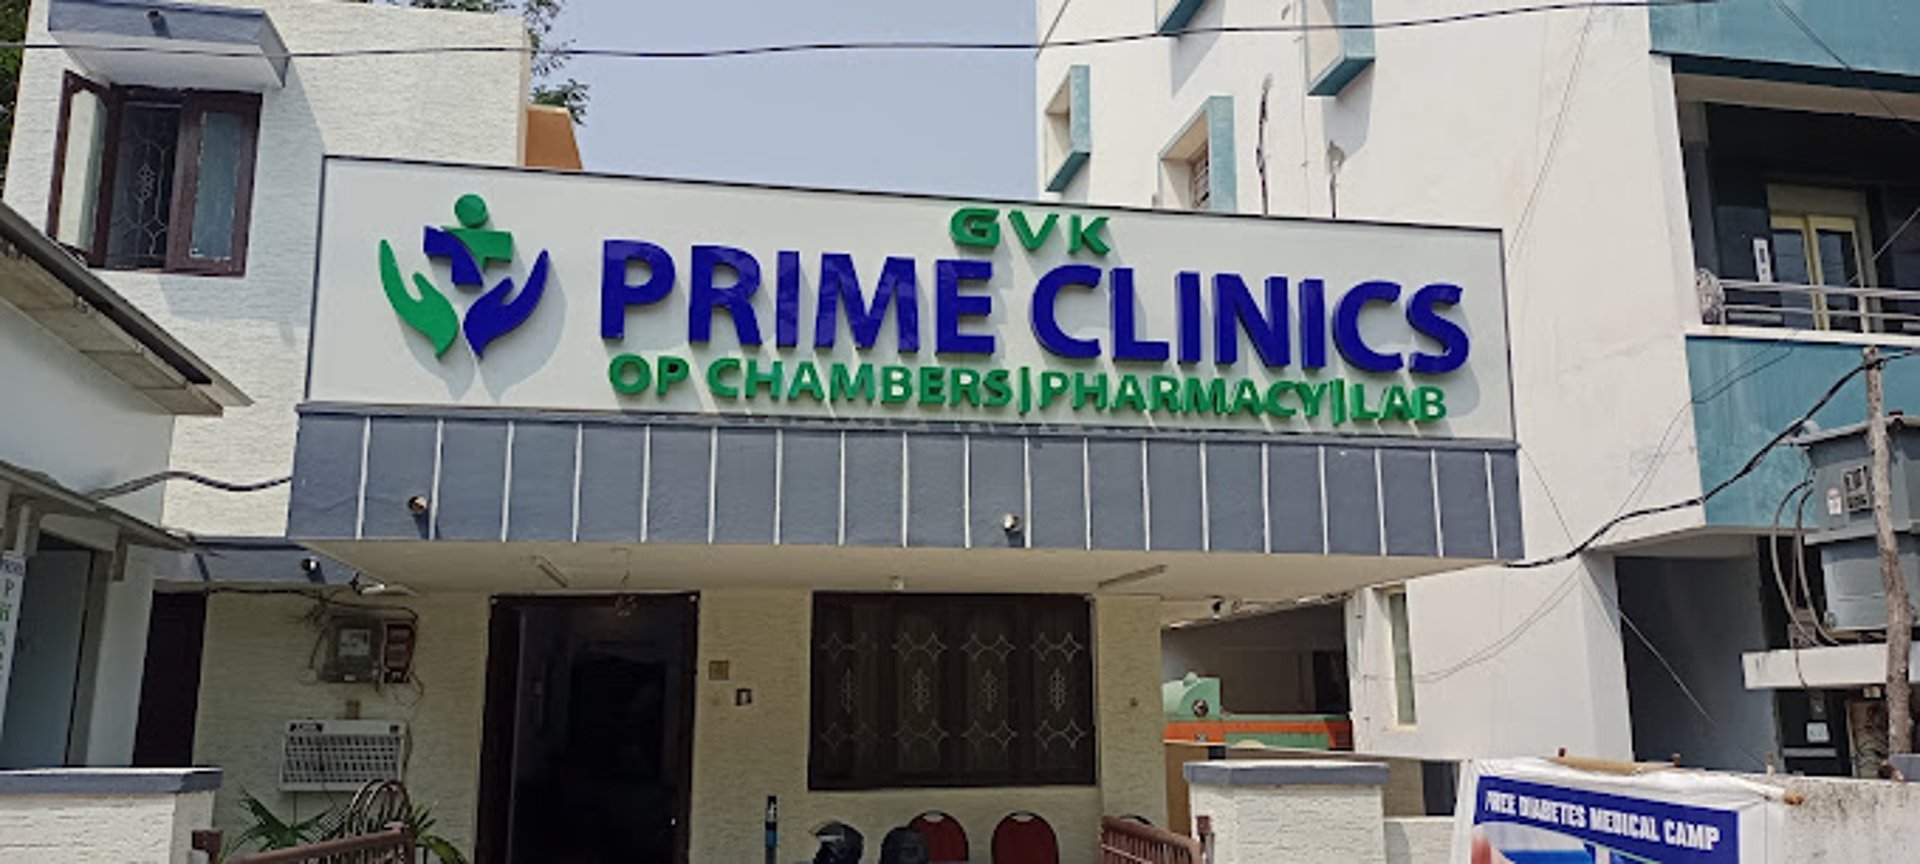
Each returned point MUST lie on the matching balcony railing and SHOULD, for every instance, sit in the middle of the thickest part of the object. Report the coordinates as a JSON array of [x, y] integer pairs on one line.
[[1808, 307]]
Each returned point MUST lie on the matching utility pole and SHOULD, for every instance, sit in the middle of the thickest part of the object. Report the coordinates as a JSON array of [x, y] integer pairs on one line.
[[1899, 611]]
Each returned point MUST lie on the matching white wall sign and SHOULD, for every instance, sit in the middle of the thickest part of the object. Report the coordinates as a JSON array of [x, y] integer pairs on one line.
[[517, 289], [13, 576]]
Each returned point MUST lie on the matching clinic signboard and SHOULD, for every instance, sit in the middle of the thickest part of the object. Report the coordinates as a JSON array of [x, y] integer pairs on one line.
[[1533, 811], [500, 288]]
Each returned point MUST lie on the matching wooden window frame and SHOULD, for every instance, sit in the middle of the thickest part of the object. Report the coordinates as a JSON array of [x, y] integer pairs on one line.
[[1406, 693], [951, 609], [71, 85], [194, 105], [194, 108]]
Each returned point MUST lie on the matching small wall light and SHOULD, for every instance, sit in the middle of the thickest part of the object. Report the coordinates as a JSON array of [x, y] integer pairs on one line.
[[418, 505]]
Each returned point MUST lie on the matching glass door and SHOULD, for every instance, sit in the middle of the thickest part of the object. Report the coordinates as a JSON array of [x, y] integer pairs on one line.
[[1819, 240]]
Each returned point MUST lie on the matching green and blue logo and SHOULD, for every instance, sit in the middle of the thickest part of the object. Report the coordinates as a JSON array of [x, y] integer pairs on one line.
[[471, 249]]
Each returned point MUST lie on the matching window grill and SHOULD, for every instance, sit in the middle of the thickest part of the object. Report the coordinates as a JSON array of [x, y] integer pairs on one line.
[[341, 755], [1200, 182]]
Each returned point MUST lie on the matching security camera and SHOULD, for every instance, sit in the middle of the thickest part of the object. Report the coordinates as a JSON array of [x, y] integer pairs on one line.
[[418, 505], [309, 564]]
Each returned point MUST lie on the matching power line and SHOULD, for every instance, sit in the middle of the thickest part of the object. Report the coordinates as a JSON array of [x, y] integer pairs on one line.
[[1752, 464], [895, 45], [1859, 76], [1058, 16], [137, 484], [1559, 127]]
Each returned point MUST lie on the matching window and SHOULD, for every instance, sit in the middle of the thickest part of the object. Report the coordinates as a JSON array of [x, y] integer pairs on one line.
[[1818, 240], [963, 690], [1200, 183], [1405, 712], [149, 179], [1175, 15], [1197, 168], [1339, 43], [1069, 130]]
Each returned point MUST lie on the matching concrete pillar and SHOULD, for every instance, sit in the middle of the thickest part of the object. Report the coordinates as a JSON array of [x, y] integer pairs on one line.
[[1291, 812]]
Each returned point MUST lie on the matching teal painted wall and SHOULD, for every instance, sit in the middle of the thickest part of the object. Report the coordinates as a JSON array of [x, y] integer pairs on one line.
[[1746, 390], [1876, 36]]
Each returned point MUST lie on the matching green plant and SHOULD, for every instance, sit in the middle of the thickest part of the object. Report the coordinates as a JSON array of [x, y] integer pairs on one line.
[[268, 831], [421, 820]]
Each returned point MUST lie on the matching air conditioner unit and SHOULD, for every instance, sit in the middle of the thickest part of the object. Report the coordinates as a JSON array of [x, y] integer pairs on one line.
[[341, 755]]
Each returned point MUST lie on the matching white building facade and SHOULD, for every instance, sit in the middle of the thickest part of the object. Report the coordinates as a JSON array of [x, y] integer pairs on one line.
[[95, 389], [1621, 152], [176, 149], [241, 290], [703, 615]]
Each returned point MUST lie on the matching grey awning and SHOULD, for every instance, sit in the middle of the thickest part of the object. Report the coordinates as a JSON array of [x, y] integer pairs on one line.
[[46, 283], [171, 45], [262, 561], [46, 494]]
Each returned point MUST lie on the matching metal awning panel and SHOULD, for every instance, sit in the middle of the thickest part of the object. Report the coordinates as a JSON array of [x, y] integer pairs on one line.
[[49, 496], [171, 45], [60, 294]]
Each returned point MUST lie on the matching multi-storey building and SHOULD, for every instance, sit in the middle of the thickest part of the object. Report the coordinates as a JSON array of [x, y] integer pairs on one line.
[[1706, 215]]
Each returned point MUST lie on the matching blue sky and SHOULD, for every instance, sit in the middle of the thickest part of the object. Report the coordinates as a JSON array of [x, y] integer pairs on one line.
[[935, 122]]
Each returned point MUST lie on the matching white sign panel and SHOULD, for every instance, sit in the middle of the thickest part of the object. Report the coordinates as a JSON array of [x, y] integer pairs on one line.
[[500, 288], [13, 576], [1532, 811]]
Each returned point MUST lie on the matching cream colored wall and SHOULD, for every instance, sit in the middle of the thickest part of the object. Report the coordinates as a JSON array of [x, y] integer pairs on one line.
[[742, 755], [1133, 778], [255, 676], [87, 829]]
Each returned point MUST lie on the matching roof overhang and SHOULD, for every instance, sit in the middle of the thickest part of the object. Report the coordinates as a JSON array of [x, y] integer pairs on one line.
[[171, 45], [258, 561], [47, 496], [48, 285], [1838, 667]]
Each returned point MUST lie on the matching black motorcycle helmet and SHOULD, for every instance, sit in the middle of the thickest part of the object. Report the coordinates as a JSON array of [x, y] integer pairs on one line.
[[840, 843], [904, 846]]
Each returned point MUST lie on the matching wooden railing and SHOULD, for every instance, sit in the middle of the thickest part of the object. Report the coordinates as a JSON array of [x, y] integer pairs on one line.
[[1125, 841], [392, 846]]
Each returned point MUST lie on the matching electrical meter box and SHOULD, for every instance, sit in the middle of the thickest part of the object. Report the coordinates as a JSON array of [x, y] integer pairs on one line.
[[364, 646], [1839, 517]]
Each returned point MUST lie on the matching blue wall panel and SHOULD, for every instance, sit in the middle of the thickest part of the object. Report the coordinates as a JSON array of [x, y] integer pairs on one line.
[[1874, 36], [653, 480], [1747, 390]]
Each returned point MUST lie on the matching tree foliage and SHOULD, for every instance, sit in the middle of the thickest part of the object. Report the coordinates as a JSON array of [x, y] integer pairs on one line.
[[549, 55], [13, 28]]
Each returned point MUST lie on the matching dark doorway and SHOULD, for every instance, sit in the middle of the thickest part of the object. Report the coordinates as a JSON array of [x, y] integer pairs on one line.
[[170, 686], [47, 698], [589, 730]]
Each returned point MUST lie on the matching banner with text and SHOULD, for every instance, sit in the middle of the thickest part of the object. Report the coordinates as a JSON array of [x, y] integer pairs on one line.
[[1529, 811]]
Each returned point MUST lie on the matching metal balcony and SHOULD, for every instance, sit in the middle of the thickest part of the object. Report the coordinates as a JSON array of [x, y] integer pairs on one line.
[[1789, 306]]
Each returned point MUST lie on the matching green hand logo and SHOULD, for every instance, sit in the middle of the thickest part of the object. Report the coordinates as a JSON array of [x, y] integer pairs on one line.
[[430, 313]]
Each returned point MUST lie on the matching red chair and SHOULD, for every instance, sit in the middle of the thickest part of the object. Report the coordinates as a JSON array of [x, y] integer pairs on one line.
[[1025, 838], [946, 839]]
